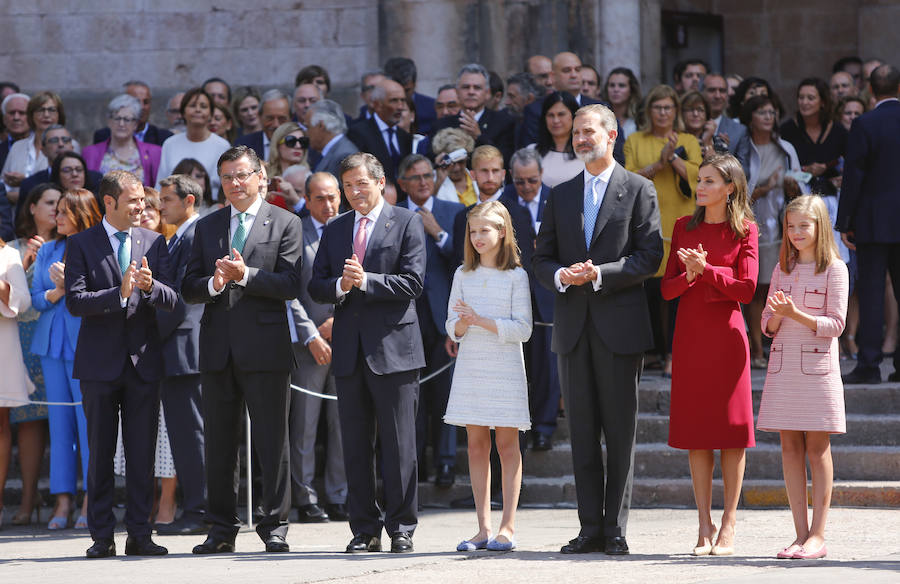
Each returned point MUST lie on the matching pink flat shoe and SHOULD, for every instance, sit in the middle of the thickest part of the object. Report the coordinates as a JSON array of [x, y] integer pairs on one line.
[[788, 552], [802, 554]]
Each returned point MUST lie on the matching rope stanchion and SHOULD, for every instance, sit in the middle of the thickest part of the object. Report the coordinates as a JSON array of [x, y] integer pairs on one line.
[[28, 402]]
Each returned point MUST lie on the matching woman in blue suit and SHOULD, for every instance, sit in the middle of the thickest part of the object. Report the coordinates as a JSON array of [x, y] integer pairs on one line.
[[55, 338]]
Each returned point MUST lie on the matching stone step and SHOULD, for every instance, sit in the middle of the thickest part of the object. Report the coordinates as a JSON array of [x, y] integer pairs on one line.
[[649, 492]]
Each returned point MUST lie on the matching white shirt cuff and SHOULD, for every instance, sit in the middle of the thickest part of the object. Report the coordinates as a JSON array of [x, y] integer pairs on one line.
[[337, 287], [212, 290], [556, 282], [311, 337], [598, 283], [244, 278], [442, 239]]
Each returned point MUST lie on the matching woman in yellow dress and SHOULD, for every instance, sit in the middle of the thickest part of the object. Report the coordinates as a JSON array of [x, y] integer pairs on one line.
[[662, 152]]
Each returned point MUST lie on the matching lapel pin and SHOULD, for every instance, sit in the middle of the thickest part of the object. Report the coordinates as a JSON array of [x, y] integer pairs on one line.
[[619, 197], [266, 222]]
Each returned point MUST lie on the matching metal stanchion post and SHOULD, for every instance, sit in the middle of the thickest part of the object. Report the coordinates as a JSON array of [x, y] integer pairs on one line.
[[249, 472]]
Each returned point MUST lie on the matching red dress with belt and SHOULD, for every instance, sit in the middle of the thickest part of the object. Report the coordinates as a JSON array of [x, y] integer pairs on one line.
[[711, 405]]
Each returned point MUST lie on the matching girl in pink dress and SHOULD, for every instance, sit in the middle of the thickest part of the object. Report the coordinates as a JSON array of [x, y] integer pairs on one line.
[[803, 397]]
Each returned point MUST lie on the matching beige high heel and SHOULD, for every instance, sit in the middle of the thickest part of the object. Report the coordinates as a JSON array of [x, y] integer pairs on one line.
[[705, 550]]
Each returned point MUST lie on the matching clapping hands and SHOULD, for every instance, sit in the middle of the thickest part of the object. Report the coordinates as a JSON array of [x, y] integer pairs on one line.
[[694, 261], [578, 274], [781, 304]]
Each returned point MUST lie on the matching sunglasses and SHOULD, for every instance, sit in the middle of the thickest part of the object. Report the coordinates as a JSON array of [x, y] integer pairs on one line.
[[295, 142]]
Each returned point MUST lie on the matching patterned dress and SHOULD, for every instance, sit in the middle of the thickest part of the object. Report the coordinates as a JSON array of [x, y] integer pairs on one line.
[[27, 323], [489, 386], [803, 390]]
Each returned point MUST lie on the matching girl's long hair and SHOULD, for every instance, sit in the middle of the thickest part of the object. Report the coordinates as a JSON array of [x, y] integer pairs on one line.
[[737, 209], [811, 206], [494, 212]]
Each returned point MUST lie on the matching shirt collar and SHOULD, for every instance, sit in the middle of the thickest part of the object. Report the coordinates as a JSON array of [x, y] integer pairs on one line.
[[316, 224], [187, 223], [428, 206], [478, 115], [885, 100], [331, 144], [141, 133], [373, 214], [535, 201], [110, 230], [604, 176], [382, 125], [253, 210], [493, 197]]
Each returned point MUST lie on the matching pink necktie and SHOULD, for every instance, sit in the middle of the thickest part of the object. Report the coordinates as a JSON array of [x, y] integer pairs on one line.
[[359, 242]]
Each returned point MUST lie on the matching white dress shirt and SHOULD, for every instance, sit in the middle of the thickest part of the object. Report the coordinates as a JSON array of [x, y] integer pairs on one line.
[[115, 243], [251, 213], [383, 128], [428, 206], [372, 216]]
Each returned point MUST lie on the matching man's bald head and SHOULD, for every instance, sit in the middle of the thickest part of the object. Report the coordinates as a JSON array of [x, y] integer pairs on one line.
[[541, 68], [567, 72]]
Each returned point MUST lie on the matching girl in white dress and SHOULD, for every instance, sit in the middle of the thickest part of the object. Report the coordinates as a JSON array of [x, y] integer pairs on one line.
[[490, 316]]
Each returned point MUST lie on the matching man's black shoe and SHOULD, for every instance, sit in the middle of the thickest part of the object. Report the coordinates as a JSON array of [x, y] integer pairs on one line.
[[542, 442], [584, 544], [445, 476], [183, 526], [401, 543], [862, 376], [214, 546], [337, 512], [276, 544], [311, 513], [102, 548], [143, 546], [364, 543], [616, 546]]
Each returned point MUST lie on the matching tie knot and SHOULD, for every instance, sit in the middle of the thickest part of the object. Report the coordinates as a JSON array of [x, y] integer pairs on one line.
[[363, 221], [241, 217], [121, 236]]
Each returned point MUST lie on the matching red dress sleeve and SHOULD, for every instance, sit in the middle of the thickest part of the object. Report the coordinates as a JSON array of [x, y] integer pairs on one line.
[[674, 282], [738, 284]]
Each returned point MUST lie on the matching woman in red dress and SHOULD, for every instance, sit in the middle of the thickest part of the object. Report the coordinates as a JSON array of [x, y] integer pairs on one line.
[[713, 271]]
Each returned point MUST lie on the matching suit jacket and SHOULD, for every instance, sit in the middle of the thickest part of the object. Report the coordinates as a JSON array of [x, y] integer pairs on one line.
[[532, 119], [180, 329], [149, 153], [626, 246], [521, 221], [50, 252], [382, 320], [369, 139], [7, 224], [247, 323], [733, 129], [498, 129], [870, 193], [4, 151], [309, 314], [331, 161], [253, 140], [440, 260], [111, 335], [425, 114], [154, 135]]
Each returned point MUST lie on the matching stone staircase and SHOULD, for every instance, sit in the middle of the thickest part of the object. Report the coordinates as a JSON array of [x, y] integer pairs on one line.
[[866, 458]]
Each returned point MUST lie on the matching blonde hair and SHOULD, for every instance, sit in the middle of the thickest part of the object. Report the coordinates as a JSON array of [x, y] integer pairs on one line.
[[658, 93], [486, 152], [450, 139], [495, 213], [280, 133], [826, 250], [737, 209]]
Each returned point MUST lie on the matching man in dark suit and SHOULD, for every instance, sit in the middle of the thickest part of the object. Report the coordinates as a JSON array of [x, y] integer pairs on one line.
[[528, 191], [180, 333], [417, 181], [566, 76], [715, 90], [599, 240], [146, 132], [867, 216], [403, 71], [116, 278], [326, 129], [486, 126], [312, 348], [367, 82], [381, 135], [245, 345], [371, 264], [274, 110], [15, 120]]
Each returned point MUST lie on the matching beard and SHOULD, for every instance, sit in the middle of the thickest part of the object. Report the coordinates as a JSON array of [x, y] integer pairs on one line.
[[594, 154]]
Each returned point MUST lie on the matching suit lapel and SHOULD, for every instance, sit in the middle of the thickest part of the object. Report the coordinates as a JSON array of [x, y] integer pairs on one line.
[[382, 227], [259, 229], [610, 200], [380, 145], [104, 244]]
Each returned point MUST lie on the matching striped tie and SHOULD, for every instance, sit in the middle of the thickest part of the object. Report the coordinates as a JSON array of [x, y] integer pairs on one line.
[[240, 234], [124, 253], [590, 211]]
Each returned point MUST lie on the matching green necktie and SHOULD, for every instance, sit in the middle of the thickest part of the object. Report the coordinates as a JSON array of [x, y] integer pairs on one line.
[[124, 253], [240, 234]]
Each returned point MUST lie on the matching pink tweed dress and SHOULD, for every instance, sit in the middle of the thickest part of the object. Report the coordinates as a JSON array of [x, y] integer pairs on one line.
[[803, 389]]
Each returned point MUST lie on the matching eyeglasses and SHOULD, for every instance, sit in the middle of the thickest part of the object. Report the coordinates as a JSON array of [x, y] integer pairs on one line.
[[71, 170], [122, 120], [240, 176], [663, 109], [295, 142], [420, 177], [58, 139], [521, 182], [46, 110]]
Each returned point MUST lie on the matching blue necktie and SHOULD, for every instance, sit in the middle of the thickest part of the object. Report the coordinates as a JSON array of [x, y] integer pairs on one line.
[[591, 209], [124, 253], [173, 242], [395, 154]]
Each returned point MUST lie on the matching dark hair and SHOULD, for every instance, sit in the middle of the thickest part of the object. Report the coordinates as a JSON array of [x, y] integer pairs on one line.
[[737, 100], [309, 73], [114, 182], [842, 63], [756, 102], [231, 134], [25, 225], [82, 208], [57, 162], [410, 160], [839, 108], [240, 94], [545, 141], [885, 81], [401, 69], [186, 166], [634, 90], [681, 67], [183, 185], [238, 152], [526, 84], [692, 97], [193, 92], [217, 80], [40, 99], [9, 85], [495, 82], [361, 159], [824, 92]]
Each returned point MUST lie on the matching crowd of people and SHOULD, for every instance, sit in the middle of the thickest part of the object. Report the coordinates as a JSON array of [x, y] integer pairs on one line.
[[532, 246]]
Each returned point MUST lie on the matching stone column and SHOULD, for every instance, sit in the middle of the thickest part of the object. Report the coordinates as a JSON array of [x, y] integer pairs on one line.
[[619, 32]]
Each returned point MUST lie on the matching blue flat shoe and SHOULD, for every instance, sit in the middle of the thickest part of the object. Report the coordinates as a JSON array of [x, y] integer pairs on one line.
[[467, 545], [57, 523], [499, 546]]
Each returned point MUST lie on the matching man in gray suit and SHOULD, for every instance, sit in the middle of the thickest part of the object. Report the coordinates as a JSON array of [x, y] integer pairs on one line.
[[180, 334], [715, 89], [312, 329], [599, 240], [326, 128]]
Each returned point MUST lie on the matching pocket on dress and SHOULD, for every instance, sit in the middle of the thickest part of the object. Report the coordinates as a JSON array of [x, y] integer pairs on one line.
[[775, 354], [814, 298], [814, 360]]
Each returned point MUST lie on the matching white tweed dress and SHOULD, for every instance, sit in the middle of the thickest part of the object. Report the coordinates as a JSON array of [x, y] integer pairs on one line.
[[489, 385]]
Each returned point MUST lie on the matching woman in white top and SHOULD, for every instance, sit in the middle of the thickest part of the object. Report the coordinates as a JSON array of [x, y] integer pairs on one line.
[[196, 142], [555, 139], [26, 156]]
